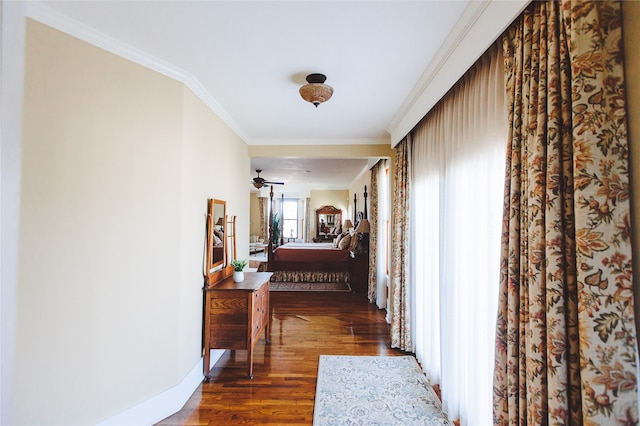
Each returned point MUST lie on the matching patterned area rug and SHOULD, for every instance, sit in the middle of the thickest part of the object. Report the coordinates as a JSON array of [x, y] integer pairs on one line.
[[374, 390], [280, 286]]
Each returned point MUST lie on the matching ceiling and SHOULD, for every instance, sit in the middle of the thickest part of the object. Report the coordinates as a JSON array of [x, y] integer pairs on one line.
[[247, 60], [309, 173]]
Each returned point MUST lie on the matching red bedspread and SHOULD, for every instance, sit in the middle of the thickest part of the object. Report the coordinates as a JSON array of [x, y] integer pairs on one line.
[[310, 252]]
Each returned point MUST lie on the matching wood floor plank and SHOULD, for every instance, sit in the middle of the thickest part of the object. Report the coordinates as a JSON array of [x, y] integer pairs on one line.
[[304, 325]]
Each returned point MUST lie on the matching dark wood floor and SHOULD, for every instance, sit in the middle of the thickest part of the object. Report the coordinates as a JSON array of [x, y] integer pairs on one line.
[[304, 325]]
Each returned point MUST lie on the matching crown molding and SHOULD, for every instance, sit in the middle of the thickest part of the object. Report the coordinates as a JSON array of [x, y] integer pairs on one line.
[[480, 25], [470, 15], [321, 141], [43, 14]]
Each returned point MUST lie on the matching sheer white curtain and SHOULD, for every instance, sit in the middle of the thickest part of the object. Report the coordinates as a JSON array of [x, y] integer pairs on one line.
[[427, 168], [382, 248], [458, 176], [307, 220]]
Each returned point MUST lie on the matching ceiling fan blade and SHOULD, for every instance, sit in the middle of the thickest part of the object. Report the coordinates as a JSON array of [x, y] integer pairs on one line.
[[260, 182]]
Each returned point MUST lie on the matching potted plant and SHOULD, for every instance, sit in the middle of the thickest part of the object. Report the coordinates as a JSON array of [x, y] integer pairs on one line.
[[276, 230], [238, 267]]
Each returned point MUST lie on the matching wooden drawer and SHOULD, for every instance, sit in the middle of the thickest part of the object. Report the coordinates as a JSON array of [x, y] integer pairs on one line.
[[224, 303]]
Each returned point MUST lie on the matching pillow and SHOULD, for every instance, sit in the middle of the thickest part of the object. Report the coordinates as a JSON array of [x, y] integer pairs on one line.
[[336, 240], [218, 234], [355, 239], [344, 242], [217, 241]]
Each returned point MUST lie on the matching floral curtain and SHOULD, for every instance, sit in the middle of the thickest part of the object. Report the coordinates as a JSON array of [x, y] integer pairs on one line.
[[373, 235], [566, 339], [264, 225], [399, 298]]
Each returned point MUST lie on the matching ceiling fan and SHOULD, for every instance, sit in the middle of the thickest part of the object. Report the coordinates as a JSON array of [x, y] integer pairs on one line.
[[259, 182]]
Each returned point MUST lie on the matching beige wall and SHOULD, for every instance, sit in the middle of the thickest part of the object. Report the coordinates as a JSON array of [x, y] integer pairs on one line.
[[631, 37], [117, 164], [205, 137], [255, 215], [357, 189]]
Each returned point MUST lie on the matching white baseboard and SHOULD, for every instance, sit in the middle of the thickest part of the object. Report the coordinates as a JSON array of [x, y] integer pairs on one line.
[[163, 405]]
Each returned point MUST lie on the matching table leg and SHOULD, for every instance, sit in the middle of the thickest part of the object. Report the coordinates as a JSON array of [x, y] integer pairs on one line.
[[206, 361], [250, 361]]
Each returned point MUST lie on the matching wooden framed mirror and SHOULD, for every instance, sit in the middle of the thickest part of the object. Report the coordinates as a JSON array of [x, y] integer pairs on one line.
[[216, 258], [328, 223], [221, 242]]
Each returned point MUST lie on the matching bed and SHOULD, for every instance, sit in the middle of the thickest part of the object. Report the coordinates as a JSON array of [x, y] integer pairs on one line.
[[314, 262], [310, 257]]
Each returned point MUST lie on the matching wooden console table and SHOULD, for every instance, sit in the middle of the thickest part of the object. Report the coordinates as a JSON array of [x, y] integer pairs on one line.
[[236, 314]]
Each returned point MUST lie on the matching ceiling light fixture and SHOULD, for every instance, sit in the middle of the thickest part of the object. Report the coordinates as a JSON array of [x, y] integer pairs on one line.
[[316, 91]]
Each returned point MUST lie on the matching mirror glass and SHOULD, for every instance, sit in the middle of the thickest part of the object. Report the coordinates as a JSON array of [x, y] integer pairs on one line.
[[328, 217], [216, 235]]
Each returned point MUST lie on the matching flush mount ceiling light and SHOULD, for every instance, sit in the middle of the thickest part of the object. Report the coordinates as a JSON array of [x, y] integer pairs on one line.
[[316, 91]]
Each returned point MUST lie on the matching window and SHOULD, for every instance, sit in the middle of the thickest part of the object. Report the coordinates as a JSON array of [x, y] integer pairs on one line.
[[290, 219]]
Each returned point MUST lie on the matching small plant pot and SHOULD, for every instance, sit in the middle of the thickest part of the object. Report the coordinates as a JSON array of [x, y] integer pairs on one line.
[[238, 276]]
